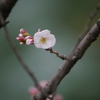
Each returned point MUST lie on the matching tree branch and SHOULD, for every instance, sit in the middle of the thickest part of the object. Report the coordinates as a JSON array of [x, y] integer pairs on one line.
[[68, 64], [5, 8], [30, 73], [87, 26]]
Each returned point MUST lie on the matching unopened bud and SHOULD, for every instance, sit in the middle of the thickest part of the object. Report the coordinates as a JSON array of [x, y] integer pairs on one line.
[[22, 31]]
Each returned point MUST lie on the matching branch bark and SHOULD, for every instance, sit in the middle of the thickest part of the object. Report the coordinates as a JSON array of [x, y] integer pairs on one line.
[[87, 26], [5, 8], [68, 64]]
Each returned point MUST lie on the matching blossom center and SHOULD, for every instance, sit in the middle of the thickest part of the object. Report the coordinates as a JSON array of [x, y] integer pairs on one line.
[[43, 40]]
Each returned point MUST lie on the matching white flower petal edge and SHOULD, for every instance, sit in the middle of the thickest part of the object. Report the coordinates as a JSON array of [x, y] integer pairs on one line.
[[44, 39], [53, 39]]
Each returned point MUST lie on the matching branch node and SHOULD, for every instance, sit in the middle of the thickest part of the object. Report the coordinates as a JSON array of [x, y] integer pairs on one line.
[[74, 57], [5, 23]]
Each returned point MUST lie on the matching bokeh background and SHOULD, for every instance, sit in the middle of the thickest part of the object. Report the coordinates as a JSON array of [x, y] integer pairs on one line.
[[66, 20]]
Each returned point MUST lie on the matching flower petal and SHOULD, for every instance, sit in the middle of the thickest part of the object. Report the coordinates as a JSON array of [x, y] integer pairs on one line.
[[38, 45], [37, 37], [45, 33], [53, 40], [46, 45]]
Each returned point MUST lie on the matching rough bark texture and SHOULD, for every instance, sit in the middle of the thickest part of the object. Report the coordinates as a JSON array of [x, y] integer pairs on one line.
[[6, 7], [67, 65]]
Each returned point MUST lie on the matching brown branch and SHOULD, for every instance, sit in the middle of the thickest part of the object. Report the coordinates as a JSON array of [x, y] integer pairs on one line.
[[87, 26], [30, 73], [68, 64], [5, 8], [63, 57]]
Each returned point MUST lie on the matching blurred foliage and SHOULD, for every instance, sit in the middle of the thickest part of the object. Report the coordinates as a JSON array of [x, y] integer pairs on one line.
[[66, 19]]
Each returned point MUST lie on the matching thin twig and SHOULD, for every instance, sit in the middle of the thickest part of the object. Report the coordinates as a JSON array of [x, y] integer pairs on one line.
[[30, 73], [63, 57], [87, 26]]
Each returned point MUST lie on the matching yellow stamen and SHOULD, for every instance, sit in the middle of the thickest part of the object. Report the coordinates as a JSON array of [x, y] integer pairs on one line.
[[43, 40]]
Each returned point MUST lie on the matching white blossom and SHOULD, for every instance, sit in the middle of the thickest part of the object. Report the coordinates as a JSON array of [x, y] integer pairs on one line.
[[43, 39]]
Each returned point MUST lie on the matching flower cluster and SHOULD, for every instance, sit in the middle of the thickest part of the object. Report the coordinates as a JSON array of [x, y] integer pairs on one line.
[[41, 39], [33, 91], [24, 37]]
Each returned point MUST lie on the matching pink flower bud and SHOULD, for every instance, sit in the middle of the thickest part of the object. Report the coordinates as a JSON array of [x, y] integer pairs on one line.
[[22, 31], [29, 41], [20, 39], [39, 30], [49, 96], [32, 90], [21, 35], [21, 43], [58, 97], [43, 83], [25, 38], [28, 37]]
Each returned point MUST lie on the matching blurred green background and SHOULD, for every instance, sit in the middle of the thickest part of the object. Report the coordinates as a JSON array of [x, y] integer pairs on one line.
[[66, 20]]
